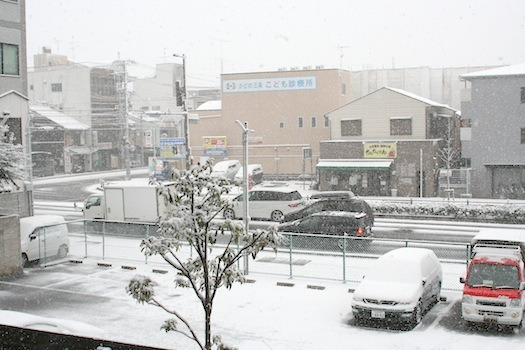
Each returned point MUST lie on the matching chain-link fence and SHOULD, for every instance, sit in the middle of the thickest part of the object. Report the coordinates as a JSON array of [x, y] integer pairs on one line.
[[323, 257]]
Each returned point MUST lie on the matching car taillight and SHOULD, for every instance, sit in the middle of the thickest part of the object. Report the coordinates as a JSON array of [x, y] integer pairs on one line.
[[359, 232]]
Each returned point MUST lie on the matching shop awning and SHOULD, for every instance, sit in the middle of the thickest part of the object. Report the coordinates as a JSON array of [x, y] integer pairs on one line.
[[356, 164], [81, 150], [57, 117]]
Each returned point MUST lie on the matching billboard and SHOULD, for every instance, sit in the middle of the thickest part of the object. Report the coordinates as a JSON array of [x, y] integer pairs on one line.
[[269, 84], [173, 147], [380, 150], [214, 146]]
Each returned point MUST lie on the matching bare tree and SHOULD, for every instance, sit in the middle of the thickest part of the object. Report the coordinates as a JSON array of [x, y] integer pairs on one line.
[[198, 200]]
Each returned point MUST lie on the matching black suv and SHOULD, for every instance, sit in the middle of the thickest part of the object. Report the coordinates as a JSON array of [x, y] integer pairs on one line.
[[355, 204], [327, 223]]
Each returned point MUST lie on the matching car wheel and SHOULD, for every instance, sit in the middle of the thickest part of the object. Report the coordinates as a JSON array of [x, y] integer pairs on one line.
[[62, 251], [417, 315], [23, 260], [229, 214], [437, 298], [277, 215]]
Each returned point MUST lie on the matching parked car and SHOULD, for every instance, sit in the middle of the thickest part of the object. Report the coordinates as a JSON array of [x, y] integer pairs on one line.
[[328, 223], [352, 204], [226, 169], [43, 236], [333, 194], [255, 171], [400, 286], [266, 203]]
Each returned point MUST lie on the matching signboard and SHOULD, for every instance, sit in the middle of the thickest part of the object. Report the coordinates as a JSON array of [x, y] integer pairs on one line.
[[172, 147], [214, 146], [255, 140], [269, 84], [380, 150], [148, 138]]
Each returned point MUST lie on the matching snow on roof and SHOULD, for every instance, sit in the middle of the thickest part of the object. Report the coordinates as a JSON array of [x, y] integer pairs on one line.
[[30, 223], [497, 234], [215, 105], [419, 98], [64, 120], [517, 69]]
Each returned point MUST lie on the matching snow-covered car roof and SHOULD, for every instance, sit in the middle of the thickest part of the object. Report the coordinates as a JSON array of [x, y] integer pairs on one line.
[[30, 223], [499, 234]]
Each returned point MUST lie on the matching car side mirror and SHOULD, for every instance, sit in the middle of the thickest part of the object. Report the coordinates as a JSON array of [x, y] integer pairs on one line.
[[88, 206], [423, 282], [32, 236], [522, 285], [462, 280]]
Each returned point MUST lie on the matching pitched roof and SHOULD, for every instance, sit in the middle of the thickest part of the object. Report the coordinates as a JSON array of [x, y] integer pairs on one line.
[[517, 69]]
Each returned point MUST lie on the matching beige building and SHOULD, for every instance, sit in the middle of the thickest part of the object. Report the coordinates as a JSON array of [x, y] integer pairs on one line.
[[285, 110], [388, 142]]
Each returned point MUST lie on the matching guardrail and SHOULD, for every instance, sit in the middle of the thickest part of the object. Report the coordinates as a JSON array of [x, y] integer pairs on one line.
[[322, 257]]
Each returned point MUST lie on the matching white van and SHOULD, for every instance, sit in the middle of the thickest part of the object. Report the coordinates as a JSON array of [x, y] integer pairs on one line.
[[255, 171], [226, 169], [43, 236]]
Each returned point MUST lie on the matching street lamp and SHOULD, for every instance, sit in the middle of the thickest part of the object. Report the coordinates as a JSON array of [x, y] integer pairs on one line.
[[245, 131], [183, 92]]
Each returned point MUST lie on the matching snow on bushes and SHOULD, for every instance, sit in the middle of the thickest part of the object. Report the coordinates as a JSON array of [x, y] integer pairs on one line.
[[508, 213]]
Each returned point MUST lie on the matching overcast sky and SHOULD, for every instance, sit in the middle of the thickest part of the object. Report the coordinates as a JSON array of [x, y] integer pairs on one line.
[[263, 35]]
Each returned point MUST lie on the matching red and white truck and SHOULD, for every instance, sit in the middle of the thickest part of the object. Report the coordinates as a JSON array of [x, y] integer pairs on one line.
[[494, 286]]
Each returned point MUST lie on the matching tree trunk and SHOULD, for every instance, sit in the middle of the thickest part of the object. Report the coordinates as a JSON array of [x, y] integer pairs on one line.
[[207, 311]]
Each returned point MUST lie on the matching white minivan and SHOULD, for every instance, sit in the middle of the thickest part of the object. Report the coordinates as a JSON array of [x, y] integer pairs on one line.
[[43, 236], [266, 203], [400, 286]]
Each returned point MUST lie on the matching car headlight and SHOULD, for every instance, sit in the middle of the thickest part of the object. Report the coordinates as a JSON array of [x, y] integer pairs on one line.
[[360, 300], [404, 302], [467, 299], [515, 302]]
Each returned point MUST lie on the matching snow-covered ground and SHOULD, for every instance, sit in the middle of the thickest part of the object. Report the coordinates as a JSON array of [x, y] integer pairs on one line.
[[260, 315]]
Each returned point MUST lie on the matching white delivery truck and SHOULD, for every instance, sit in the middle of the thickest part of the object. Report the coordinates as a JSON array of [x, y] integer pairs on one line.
[[135, 200], [494, 286]]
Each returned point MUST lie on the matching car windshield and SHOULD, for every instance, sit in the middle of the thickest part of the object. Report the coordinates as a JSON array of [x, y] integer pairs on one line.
[[493, 276]]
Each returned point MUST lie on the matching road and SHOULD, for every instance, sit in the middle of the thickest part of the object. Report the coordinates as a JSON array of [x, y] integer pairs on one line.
[[63, 195]]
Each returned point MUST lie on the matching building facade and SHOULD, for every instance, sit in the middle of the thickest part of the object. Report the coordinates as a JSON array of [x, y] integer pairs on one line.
[[285, 110], [388, 143], [286, 120], [13, 98], [493, 136]]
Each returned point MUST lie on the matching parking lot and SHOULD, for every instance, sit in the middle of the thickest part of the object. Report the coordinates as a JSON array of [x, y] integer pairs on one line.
[[271, 312]]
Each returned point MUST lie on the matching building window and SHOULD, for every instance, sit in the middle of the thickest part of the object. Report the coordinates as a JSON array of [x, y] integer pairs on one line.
[[343, 89], [400, 126], [522, 136], [9, 59], [31, 87], [301, 122], [314, 122], [523, 95], [351, 127], [56, 87], [326, 122], [281, 125], [155, 108]]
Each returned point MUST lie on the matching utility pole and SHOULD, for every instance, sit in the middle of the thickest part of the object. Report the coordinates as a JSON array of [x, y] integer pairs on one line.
[[122, 85], [185, 111]]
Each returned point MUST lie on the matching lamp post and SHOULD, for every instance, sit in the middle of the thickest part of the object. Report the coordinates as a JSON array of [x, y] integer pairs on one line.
[[183, 92], [245, 131]]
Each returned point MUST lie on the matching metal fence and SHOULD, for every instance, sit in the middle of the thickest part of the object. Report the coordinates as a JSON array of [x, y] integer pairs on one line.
[[321, 257]]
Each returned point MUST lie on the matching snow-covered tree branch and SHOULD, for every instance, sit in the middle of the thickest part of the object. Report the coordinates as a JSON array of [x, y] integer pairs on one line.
[[12, 161], [198, 198]]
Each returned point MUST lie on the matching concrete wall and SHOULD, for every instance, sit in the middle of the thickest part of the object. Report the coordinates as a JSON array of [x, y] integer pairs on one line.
[[496, 114], [10, 245]]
